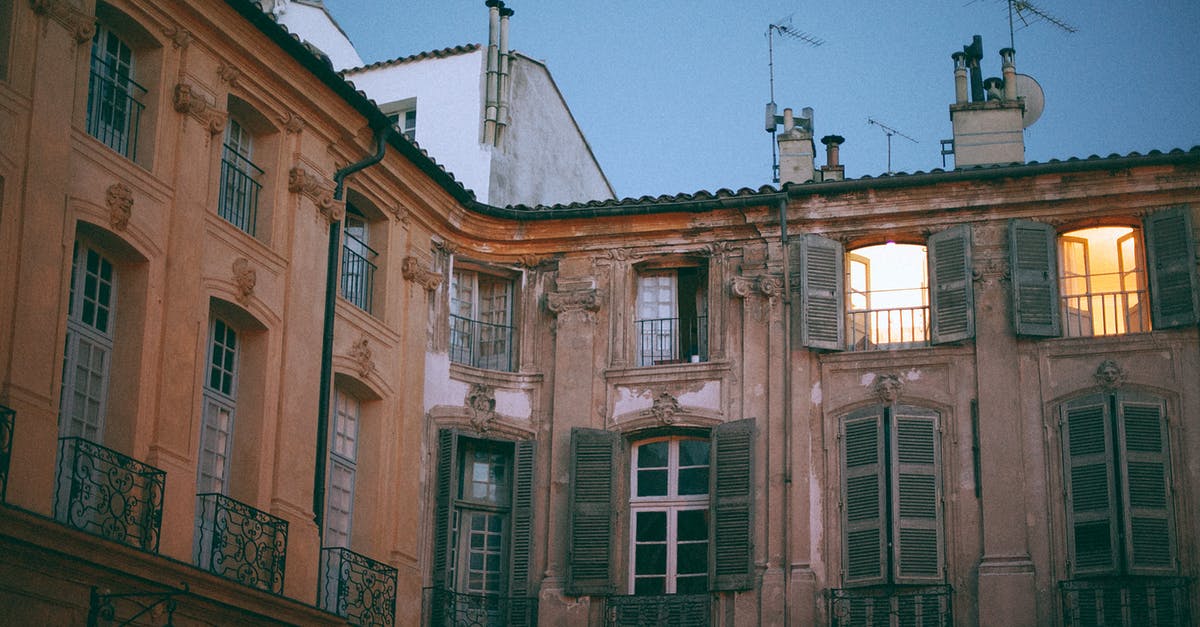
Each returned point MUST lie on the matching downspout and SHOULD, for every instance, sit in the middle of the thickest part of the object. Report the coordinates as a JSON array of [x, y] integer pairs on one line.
[[787, 402], [331, 280]]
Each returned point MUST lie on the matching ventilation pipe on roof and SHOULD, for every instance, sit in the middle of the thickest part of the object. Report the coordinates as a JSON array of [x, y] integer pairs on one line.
[[832, 170], [1008, 62], [493, 72], [505, 59], [960, 77]]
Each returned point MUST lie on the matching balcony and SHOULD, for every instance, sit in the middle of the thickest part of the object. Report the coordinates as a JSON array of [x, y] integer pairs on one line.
[[672, 340], [481, 344], [1126, 602], [446, 608], [105, 493], [358, 272], [238, 201], [114, 110], [357, 588], [1106, 313], [241, 543], [8, 420], [891, 606], [884, 329], [654, 610]]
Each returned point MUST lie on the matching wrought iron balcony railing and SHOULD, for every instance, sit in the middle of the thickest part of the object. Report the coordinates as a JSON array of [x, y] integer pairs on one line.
[[114, 110], [238, 200], [447, 608], [481, 344], [105, 493], [357, 588], [8, 420], [1126, 602], [655, 610], [241, 543], [358, 272], [672, 340], [882, 329], [1106, 313], [891, 606]]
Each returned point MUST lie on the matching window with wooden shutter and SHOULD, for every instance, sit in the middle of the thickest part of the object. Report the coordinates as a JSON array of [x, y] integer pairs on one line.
[[732, 493], [522, 528], [443, 505], [1146, 485], [821, 268], [589, 556], [952, 299], [916, 497], [864, 497], [1171, 255], [1033, 263]]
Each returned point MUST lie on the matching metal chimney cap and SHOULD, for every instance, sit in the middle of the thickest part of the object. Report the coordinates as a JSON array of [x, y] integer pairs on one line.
[[505, 11], [494, 3], [836, 140]]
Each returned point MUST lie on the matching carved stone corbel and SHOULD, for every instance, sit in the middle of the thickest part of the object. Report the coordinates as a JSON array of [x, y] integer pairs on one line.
[[362, 356], [573, 303], [180, 37], [81, 25], [481, 404], [313, 187], [229, 74], [245, 278], [291, 122], [189, 102], [411, 268], [448, 248], [741, 286], [120, 205], [889, 387], [665, 409], [401, 213]]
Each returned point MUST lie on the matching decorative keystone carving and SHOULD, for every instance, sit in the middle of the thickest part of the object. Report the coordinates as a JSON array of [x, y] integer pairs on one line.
[[229, 74], [245, 278], [362, 356], [180, 37], [665, 409], [301, 181], [120, 205], [189, 102], [569, 304], [889, 387], [411, 268], [291, 122], [81, 25], [481, 404], [1110, 375]]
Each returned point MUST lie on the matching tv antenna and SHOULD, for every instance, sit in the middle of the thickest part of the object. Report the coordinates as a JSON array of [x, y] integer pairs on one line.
[[785, 29], [889, 131], [1028, 13]]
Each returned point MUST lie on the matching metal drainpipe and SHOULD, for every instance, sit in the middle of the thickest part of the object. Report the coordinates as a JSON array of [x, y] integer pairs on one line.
[[787, 402], [331, 277]]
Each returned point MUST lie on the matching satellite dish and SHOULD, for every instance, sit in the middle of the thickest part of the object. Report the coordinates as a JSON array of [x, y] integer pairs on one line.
[[1035, 99]]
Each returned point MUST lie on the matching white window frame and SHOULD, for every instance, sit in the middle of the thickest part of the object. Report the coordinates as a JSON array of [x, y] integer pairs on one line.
[[343, 464], [658, 297], [672, 503], [216, 439], [1123, 312], [467, 302], [120, 70], [89, 380]]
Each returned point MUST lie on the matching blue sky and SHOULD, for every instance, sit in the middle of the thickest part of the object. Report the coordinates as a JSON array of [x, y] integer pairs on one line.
[[670, 93]]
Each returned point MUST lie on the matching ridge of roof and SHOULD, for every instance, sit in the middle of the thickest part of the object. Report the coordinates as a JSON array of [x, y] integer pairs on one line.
[[441, 53]]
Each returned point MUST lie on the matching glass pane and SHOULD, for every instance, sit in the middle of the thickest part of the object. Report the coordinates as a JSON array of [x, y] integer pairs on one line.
[[693, 480], [693, 453], [650, 559], [653, 455], [652, 483], [694, 584], [651, 527], [693, 525], [692, 559], [650, 585]]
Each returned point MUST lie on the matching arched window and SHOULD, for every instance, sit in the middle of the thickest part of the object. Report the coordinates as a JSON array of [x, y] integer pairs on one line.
[[91, 319], [115, 99], [669, 516], [240, 178], [343, 466], [219, 406], [359, 259]]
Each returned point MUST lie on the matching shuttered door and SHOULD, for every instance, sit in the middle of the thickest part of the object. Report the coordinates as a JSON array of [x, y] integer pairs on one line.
[[447, 457], [1033, 262], [1171, 257], [864, 497], [821, 268], [1088, 477], [522, 530], [732, 493], [1146, 486], [589, 557], [952, 301], [916, 500]]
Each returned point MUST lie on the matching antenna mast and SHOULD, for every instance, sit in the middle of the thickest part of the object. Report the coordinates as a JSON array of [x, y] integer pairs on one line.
[[889, 131], [785, 29], [1022, 8]]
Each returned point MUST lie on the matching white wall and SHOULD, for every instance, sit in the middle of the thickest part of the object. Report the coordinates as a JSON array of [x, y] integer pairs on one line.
[[314, 25]]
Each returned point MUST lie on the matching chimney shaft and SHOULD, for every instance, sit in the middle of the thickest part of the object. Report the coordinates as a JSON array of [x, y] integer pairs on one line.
[[960, 77], [796, 164], [493, 71], [505, 58], [1008, 62], [832, 170]]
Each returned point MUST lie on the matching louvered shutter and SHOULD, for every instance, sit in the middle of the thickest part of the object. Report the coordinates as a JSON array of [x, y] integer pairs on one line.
[[1088, 478], [1171, 260], [589, 557], [864, 498], [1146, 483], [916, 501], [731, 549], [522, 530], [822, 262], [443, 507], [1033, 263], [952, 306]]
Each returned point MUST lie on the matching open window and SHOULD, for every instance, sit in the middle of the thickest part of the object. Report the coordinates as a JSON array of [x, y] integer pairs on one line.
[[887, 297], [672, 312], [403, 115], [482, 316]]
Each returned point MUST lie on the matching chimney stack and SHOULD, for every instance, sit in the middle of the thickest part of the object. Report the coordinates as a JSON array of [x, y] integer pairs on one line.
[[832, 170], [491, 105], [989, 129], [505, 58], [796, 164]]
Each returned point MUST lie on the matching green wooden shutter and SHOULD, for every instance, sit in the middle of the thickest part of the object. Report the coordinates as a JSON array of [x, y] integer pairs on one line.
[[1088, 478], [522, 526], [864, 498], [731, 545], [916, 496], [1033, 262], [1171, 260], [822, 262], [589, 557], [443, 508], [951, 304], [1146, 485]]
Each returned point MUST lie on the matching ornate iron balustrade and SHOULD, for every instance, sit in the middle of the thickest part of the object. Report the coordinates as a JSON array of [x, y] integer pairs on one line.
[[241, 543], [358, 272], [1126, 602], [883, 329], [891, 606], [357, 588], [655, 610], [672, 340], [114, 110], [446, 608], [1106, 313], [481, 344], [238, 201], [8, 420], [105, 493]]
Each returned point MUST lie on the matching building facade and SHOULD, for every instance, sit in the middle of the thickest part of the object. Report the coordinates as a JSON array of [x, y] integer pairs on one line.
[[951, 397]]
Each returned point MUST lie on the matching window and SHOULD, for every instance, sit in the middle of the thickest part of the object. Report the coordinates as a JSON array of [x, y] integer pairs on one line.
[[240, 186], [884, 297], [115, 99], [343, 465], [403, 114], [1104, 280], [481, 320], [358, 260], [91, 316], [672, 315], [219, 407], [669, 517]]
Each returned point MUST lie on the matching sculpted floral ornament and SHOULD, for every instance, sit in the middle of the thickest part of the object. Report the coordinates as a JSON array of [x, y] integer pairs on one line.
[[363, 357], [888, 387], [245, 278], [120, 205], [665, 408], [411, 268], [1110, 375], [481, 404]]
